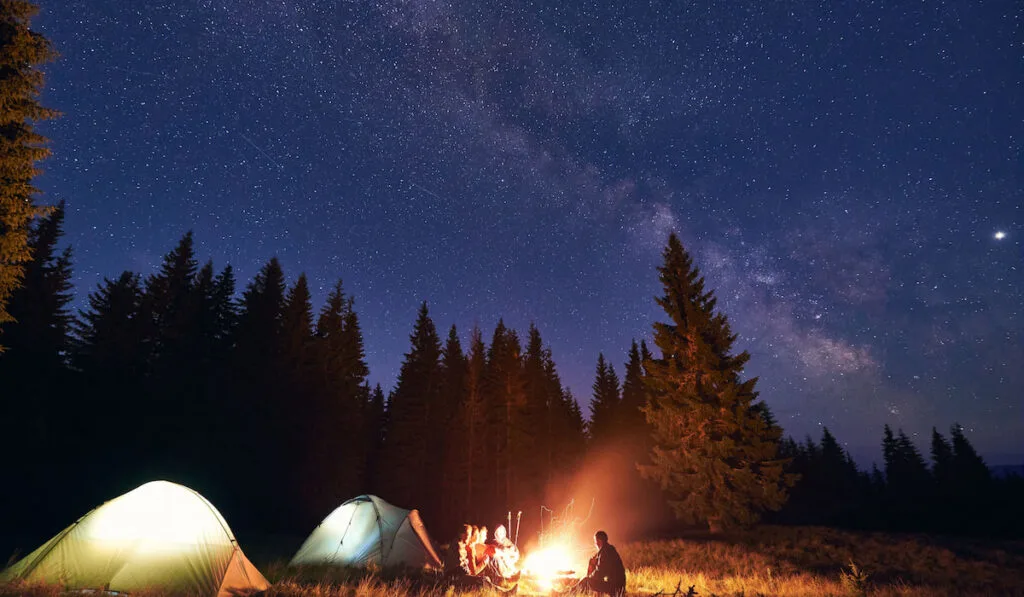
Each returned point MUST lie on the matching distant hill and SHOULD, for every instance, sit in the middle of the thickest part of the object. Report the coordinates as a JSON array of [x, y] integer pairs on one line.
[[1005, 470]]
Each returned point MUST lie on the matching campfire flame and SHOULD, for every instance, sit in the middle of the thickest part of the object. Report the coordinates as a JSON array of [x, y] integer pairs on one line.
[[546, 565]]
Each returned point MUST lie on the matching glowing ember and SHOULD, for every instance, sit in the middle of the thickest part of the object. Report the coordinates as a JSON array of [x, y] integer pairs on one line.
[[546, 566]]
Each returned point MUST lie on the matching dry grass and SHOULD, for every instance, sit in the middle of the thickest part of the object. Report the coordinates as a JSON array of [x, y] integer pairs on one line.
[[770, 561]]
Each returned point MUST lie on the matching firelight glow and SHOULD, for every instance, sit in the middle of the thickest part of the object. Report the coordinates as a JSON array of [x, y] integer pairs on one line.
[[545, 564]]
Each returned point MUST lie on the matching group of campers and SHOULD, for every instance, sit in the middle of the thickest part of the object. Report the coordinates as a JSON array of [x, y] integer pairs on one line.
[[495, 563]]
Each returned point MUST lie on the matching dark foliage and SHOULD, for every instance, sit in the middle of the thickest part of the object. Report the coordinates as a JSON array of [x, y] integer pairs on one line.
[[957, 494]]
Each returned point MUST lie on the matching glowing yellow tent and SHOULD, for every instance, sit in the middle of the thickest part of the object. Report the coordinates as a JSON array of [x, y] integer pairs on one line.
[[367, 530], [159, 536]]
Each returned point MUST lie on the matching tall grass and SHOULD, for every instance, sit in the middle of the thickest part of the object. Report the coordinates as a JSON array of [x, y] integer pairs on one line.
[[769, 561]]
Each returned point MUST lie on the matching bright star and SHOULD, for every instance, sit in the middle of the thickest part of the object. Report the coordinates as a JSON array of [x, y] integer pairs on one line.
[[999, 235]]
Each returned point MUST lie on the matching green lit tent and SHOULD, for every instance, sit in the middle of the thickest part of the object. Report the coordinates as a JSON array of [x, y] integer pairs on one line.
[[159, 536], [367, 530]]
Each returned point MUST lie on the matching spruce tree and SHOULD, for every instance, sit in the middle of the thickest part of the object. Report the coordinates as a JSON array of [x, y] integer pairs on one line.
[[344, 406], [714, 454], [107, 354], [572, 432], [473, 427], [634, 397], [256, 388], [107, 334], [40, 337], [35, 390], [907, 480], [969, 468], [170, 318], [505, 398], [536, 452], [408, 454], [22, 51], [942, 460], [297, 413], [452, 400], [837, 481], [604, 404]]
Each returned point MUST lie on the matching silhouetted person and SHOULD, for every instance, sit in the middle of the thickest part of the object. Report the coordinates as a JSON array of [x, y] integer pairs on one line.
[[460, 567], [605, 572]]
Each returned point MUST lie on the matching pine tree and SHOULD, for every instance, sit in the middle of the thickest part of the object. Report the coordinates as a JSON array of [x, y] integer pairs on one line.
[[170, 318], [505, 398], [837, 480], [942, 460], [714, 455], [634, 397], [452, 400], [914, 468], [345, 408], [969, 468], [907, 480], [297, 410], [40, 306], [224, 309], [211, 418], [536, 451], [408, 453], [21, 52], [256, 390], [473, 425], [107, 335], [645, 356], [571, 434], [35, 390], [107, 353], [604, 405]]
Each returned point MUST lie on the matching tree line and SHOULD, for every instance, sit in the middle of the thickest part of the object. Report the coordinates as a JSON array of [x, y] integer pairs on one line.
[[952, 491], [263, 404]]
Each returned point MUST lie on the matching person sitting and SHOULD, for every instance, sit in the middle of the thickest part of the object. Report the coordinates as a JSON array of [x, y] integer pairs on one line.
[[506, 555], [481, 551], [605, 573], [460, 567]]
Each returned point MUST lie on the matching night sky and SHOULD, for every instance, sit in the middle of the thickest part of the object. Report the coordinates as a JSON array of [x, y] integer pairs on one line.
[[848, 175]]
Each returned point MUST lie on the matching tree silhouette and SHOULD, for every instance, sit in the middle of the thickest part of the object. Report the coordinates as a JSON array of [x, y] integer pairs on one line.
[[605, 424], [409, 455]]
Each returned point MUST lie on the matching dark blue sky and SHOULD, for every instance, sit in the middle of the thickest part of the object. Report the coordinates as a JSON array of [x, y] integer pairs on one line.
[[847, 174]]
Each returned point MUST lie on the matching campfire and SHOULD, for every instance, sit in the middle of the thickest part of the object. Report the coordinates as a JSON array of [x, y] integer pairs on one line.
[[551, 568], [555, 564]]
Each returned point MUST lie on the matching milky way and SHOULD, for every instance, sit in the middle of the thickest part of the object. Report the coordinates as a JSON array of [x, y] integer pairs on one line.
[[847, 175]]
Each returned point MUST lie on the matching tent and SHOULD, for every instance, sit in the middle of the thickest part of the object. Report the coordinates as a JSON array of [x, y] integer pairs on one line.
[[159, 536], [367, 530]]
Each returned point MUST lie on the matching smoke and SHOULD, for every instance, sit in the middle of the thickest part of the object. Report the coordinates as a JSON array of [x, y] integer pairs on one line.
[[607, 494]]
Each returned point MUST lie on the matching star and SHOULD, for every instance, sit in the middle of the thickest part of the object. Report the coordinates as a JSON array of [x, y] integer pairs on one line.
[[999, 235]]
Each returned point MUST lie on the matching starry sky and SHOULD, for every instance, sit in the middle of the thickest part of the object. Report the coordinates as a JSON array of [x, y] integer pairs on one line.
[[847, 174]]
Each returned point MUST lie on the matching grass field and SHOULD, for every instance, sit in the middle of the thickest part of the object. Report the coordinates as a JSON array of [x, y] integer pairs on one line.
[[769, 561]]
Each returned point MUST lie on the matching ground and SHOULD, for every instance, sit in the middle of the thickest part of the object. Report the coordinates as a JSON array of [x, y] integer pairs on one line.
[[768, 561]]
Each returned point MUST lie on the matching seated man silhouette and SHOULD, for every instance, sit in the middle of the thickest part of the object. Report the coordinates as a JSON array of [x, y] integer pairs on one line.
[[605, 573]]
